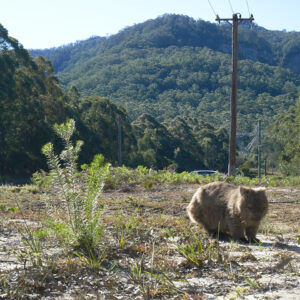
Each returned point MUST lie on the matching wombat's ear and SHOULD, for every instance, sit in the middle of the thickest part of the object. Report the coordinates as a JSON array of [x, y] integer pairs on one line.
[[244, 190]]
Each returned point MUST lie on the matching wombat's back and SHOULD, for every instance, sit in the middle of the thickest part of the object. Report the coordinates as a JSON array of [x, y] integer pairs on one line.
[[209, 205]]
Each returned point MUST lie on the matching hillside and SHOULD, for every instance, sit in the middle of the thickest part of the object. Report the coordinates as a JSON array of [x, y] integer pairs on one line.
[[175, 65], [31, 101]]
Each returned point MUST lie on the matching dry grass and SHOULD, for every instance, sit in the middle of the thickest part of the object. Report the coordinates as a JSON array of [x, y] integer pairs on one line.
[[149, 265]]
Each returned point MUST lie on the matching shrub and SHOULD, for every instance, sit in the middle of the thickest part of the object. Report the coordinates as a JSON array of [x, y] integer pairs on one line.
[[79, 192]]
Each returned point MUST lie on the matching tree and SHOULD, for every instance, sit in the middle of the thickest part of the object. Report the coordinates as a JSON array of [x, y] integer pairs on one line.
[[30, 102], [283, 141]]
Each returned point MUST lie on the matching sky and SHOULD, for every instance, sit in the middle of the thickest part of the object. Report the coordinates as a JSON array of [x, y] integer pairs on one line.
[[39, 24]]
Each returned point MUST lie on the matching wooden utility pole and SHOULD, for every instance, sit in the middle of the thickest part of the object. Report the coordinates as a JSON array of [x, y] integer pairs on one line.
[[119, 140], [236, 19]]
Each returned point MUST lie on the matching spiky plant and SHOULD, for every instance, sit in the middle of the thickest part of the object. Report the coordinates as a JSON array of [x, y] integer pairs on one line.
[[79, 193]]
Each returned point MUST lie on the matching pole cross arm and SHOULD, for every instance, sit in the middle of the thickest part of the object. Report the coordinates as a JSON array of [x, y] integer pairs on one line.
[[235, 17]]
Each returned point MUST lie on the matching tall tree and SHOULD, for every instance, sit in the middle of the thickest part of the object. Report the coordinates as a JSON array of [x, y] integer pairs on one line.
[[30, 102]]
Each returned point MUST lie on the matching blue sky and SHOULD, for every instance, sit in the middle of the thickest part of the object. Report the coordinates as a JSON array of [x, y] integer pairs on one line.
[[49, 23]]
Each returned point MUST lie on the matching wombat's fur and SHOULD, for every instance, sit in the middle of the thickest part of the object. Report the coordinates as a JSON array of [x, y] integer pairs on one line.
[[226, 208]]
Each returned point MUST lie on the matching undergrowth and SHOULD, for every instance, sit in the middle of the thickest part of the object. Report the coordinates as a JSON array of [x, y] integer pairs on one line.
[[142, 176]]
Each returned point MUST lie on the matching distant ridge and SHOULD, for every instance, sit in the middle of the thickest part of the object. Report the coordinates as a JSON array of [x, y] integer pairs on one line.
[[174, 65]]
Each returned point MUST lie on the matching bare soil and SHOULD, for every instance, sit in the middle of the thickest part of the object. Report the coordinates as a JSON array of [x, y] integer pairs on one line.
[[269, 270]]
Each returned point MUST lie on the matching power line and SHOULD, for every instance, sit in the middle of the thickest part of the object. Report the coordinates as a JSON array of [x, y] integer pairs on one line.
[[231, 6], [236, 19], [248, 7], [212, 8]]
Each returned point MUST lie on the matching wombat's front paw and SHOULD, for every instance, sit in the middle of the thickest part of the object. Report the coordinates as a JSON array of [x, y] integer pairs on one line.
[[221, 236], [243, 240]]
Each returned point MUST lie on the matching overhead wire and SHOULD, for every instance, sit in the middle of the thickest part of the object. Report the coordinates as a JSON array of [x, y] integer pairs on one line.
[[248, 7], [231, 6], [212, 8]]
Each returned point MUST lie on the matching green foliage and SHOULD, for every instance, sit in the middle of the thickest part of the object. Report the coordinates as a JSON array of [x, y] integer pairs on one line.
[[80, 195], [148, 178], [245, 170], [54, 228], [180, 144], [126, 230], [174, 65], [5, 208], [283, 142], [98, 129], [30, 103], [194, 247], [174, 68], [42, 179]]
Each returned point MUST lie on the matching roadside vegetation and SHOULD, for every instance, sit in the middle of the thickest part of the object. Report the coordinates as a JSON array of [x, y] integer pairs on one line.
[[123, 232]]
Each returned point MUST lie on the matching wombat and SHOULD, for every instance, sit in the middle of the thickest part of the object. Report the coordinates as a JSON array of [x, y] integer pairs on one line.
[[225, 208]]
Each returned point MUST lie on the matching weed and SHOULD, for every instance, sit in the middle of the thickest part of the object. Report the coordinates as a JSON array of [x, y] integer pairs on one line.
[[254, 284], [240, 291], [4, 285], [5, 208], [52, 228], [136, 270], [29, 255], [81, 197], [194, 247], [151, 283], [136, 202], [148, 184], [164, 283], [125, 230], [91, 259], [32, 244]]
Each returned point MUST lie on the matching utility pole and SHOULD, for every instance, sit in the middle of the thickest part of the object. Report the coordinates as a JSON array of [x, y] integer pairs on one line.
[[236, 19], [259, 148], [119, 140]]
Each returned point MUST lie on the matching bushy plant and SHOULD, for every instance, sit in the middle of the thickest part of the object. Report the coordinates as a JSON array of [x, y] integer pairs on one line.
[[80, 193], [245, 170]]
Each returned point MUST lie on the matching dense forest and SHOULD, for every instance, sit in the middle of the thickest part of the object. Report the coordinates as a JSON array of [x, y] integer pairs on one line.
[[168, 79], [32, 101], [282, 142], [177, 66]]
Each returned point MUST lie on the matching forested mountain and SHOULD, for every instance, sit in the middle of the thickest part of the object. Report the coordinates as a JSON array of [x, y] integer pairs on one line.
[[177, 66], [168, 79], [256, 43], [31, 101]]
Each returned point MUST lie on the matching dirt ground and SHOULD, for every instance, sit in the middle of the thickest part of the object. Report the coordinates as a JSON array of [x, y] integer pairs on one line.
[[149, 264]]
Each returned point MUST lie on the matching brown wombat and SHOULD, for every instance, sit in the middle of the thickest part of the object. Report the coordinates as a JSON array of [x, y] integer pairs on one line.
[[225, 208]]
